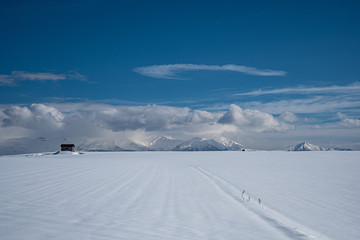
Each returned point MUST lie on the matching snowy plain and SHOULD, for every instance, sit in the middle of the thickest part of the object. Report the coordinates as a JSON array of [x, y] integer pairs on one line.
[[180, 195]]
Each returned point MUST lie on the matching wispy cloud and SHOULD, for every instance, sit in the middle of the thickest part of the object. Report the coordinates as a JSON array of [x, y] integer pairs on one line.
[[171, 71], [11, 79], [355, 87], [311, 105], [7, 80], [41, 76]]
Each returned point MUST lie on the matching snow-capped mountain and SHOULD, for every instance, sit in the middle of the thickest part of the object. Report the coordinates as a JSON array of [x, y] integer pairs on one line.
[[99, 145], [110, 145], [305, 146], [208, 144], [162, 143], [200, 144], [231, 145]]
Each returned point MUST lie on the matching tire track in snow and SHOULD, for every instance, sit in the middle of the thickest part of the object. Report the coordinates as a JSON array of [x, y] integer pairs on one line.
[[274, 219], [56, 182], [91, 215], [147, 177], [111, 209], [111, 193]]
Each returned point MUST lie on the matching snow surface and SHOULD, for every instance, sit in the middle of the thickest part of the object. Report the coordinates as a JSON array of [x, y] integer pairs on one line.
[[180, 195]]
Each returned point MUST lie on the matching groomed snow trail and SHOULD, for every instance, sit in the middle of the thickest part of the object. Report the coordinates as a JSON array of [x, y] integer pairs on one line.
[[148, 195]]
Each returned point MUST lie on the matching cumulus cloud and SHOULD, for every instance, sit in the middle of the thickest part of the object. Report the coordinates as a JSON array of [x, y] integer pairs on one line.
[[134, 124], [288, 117], [165, 118], [347, 121], [101, 119], [10, 80], [148, 118], [253, 120], [171, 71], [37, 116]]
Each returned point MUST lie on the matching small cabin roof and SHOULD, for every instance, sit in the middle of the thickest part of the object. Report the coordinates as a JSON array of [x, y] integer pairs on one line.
[[67, 145]]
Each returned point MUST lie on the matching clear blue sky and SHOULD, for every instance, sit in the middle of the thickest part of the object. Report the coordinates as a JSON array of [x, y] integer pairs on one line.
[[103, 51], [316, 43]]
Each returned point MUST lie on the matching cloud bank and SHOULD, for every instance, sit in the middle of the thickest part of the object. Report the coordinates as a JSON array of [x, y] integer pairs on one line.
[[16, 76], [81, 122], [132, 118], [171, 71], [37, 116]]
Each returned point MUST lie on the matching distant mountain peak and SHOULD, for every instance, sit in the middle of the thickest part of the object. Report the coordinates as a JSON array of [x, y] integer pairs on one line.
[[200, 144], [209, 144], [231, 144], [154, 140], [306, 146]]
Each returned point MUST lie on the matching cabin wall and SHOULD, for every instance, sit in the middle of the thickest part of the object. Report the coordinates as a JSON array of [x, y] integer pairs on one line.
[[67, 149]]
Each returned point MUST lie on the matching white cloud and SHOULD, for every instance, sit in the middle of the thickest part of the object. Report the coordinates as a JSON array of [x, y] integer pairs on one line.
[[76, 76], [10, 80], [6, 80], [352, 88], [288, 117], [171, 71], [254, 120], [100, 119], [149, 118], [37, 116], [316, 104], [126, 124], [41, 76], [350, 122], [347, 121]]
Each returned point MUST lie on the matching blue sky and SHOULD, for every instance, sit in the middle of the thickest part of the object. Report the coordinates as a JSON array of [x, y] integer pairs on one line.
[[269, 56]]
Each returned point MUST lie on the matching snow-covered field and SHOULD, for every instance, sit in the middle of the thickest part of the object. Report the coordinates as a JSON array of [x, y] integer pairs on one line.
[[181, 195]]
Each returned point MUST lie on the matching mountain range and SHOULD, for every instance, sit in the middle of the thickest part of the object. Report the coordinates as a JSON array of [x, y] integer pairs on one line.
[[165, 144], [160, 143]]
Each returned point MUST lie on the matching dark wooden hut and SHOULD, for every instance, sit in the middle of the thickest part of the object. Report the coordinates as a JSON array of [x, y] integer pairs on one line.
[[67, 147]]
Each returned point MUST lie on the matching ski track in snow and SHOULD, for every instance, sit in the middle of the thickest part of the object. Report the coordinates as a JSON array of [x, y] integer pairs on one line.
[[254, 207], [135, 196]]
